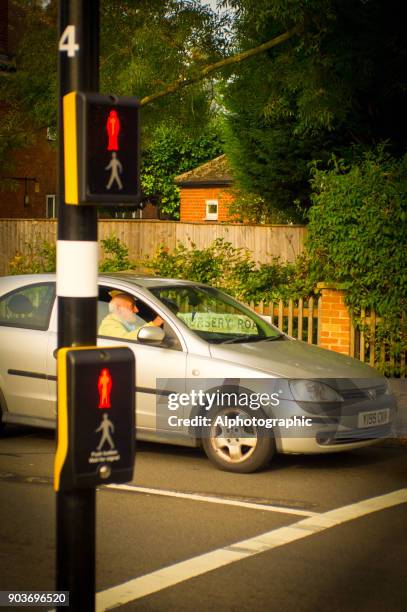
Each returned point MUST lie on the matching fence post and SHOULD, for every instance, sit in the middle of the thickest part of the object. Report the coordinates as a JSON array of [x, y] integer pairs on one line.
[[335, 322]]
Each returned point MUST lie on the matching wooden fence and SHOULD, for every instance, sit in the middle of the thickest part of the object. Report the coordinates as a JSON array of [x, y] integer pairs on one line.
[[143, 237], [296, 318], [302, 319], [377, 352]]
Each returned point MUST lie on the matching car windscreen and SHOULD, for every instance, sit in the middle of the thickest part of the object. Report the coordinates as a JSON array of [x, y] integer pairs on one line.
[[214, 316]]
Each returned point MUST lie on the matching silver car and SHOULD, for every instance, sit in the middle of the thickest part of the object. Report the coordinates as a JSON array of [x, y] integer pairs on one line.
[[214, 374]]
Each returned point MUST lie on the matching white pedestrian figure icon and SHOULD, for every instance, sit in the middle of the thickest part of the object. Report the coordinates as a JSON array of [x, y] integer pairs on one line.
[[106, 427], [116, 169]]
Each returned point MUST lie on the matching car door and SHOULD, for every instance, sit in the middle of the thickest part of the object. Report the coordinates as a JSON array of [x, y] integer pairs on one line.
[[153, 362], [24, 321]]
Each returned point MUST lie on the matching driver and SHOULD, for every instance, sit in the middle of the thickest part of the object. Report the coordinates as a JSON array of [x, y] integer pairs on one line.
[[122, 320]]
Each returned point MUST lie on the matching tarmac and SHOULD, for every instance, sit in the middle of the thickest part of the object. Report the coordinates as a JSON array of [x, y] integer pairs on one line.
[[398, 386]]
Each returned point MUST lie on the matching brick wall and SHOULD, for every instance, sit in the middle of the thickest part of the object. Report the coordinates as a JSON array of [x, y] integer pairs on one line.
[[193, 203], [334, 323], [36, 161]]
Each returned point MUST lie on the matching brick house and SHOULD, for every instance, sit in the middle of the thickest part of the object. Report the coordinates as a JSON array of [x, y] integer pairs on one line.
[[206, 192], [31, 192], [30, 188], [28, 180]]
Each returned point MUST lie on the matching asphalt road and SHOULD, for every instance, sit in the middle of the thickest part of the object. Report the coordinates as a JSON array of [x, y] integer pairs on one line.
[[308, 534]]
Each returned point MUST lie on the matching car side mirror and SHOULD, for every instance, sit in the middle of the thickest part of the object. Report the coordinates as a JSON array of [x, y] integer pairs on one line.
[[151, 334]]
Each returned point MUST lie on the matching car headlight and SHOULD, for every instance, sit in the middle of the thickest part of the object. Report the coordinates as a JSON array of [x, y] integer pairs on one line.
[[313, 391]]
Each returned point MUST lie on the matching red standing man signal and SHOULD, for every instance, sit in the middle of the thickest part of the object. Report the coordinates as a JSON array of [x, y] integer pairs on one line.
[[113, 129], [104, 388]]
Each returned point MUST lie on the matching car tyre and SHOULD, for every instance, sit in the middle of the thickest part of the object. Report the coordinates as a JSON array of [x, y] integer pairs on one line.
[[241, 449]]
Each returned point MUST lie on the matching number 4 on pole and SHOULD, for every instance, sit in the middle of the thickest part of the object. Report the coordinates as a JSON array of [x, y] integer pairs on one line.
[[67, 41]]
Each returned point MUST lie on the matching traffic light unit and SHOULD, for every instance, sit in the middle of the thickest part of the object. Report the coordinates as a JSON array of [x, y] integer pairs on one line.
[[101, 149], [96, 420]]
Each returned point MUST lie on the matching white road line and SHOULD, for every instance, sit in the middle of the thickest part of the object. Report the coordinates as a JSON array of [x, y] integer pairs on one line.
[[210, 499], [179, 572]]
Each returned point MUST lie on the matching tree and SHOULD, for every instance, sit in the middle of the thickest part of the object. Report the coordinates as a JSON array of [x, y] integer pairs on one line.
[[165, 41], [152, 48], [340, 82], [150, 43], [29, 95], [172, 152], [144, 45]]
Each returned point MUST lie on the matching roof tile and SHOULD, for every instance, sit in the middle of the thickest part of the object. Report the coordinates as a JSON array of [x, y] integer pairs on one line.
[[215, 171]]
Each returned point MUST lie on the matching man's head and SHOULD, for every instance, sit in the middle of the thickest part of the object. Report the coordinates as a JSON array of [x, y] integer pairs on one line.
[[123, 306]]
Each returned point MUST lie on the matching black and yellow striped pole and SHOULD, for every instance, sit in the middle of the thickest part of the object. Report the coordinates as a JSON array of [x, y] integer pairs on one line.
[[77, 296]]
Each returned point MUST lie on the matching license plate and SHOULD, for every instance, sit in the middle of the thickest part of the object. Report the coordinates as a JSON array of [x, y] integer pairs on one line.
[[375, 417]]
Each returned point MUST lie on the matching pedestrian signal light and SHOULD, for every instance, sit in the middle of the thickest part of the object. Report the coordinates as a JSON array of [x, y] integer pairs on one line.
[[101, 149], [113, 129], [96, 412], [104, 388]]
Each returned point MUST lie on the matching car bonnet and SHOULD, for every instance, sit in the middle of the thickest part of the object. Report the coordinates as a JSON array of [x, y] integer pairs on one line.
[[292, 359]]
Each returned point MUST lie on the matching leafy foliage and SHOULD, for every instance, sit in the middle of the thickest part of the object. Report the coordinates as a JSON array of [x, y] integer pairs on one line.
[[251, 208], [39, 257], [170, 153], [116, 256], [357, 236], [29, 93], [339, 82], [144, 45], [232, 270], [160, 41]]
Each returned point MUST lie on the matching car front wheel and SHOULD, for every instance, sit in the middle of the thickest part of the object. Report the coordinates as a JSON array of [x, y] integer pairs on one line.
[[235, 442]]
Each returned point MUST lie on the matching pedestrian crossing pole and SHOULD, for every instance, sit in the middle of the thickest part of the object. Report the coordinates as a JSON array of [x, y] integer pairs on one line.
[[77, 249], [98, 166]]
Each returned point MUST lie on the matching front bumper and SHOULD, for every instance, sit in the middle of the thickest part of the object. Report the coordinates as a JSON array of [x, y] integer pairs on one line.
[[341, 431]]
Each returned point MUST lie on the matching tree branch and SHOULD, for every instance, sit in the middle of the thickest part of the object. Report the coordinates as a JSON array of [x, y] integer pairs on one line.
[[233, 59]]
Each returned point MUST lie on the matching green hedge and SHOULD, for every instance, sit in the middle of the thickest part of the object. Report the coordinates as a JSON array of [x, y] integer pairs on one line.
[[233, 270], [357, 236]]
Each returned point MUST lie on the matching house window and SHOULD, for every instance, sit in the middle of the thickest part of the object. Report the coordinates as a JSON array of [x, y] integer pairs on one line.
[[50, 206], [211, 210], [51, 133]]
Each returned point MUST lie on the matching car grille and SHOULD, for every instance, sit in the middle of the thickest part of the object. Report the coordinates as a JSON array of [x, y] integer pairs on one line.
[[356, 394], [354, 435]]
